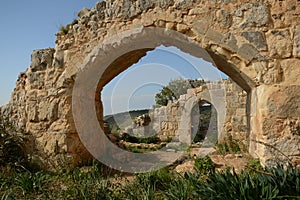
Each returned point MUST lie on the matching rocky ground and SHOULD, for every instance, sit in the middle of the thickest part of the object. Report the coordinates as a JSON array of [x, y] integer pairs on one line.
[[235, 161]]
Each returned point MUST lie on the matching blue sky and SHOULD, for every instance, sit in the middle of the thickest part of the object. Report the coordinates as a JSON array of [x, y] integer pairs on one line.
[[26, 26], [32, 24], [136, 87]]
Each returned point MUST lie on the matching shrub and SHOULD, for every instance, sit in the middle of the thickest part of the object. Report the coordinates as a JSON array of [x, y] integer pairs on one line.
[[174, 89], [222, 148], [230, 146], [64, 29], [11, 146], [204, 165], [147, 140]]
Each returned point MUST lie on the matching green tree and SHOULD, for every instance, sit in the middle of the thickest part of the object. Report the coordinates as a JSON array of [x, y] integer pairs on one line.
[[179, 87], [164, 96], [174, 89]]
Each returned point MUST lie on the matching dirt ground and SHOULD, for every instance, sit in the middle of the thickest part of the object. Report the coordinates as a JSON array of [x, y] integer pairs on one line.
[[223, 162], [232, 161]]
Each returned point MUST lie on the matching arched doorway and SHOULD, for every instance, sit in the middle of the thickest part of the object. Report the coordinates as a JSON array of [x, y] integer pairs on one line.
[[205, 123], [108, 60]]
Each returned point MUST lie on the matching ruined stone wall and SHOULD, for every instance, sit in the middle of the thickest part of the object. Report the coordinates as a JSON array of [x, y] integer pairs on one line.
[[236, 126], [256, 43], [41, 105], [166, 119]]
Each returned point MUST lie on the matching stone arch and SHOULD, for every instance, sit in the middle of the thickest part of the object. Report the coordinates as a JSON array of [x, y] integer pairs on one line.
[[125, 49], [236, 37], [128, 47], [217, 98]]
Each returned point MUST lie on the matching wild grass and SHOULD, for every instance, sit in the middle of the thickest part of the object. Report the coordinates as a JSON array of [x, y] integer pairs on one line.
[[17, 181], [205, 183]]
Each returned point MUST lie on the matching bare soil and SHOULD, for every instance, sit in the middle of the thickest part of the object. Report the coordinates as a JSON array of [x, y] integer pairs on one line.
[[237, 162]]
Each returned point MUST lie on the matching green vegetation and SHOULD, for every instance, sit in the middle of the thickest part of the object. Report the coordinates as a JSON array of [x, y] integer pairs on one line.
[[74, 184], [91, 183], [254, 165], [19, 181], [229, 146], [174, 89], [64, 29], [272, 183], [165, 95], [11, 146], [145, 140], [204, 165]]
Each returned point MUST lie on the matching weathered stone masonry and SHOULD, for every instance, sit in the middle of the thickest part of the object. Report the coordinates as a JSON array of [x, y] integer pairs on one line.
[[230, 108], [256, 43]]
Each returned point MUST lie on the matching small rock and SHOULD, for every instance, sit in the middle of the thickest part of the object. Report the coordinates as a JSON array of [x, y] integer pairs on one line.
[[83, 12]]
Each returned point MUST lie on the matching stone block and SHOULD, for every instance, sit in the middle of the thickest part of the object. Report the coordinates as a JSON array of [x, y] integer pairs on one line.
[[249, 15], [144, 5], [291, 70], [148, 20], [200, 26], [296, 49], [58, 59], [32, 113], [196, 11], [248, 52], [230, 42], [84, 11], [100, 6], [48, 111], [214, 36], [274, 73], [223, 18], [41, 59], [164, 3], [279, 43], [170, 25], [256, 39], [182, 28]]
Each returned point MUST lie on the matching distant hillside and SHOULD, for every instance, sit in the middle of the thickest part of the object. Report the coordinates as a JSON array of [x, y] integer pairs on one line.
[[124, 119]]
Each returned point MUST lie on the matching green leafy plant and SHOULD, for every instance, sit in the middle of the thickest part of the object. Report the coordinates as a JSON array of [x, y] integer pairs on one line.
[[273, 183], [89, 184], [150, 185], [204, 165], [115, 130], [134, 149], [32, 182], [164, 96], [230, 146], [180, 189], [222, 148], [254, 165]]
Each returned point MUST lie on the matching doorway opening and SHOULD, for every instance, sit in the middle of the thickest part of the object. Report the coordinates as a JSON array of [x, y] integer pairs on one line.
[[207, 121]]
